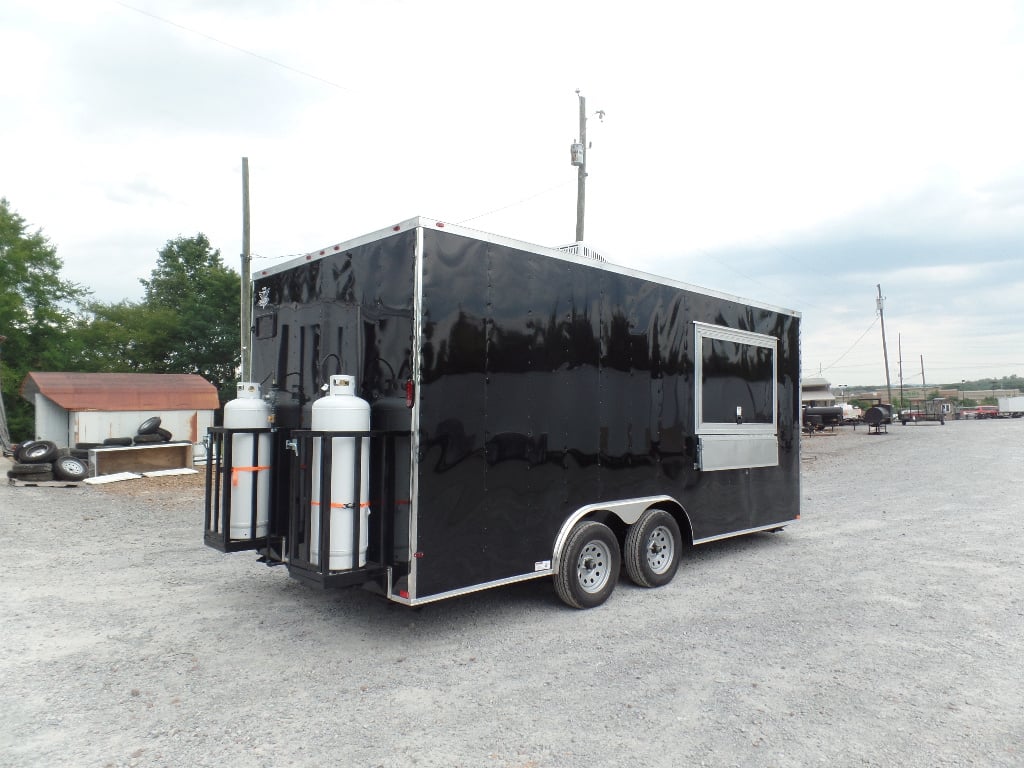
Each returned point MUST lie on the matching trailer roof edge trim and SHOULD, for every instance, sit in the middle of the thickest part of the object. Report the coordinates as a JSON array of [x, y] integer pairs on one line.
[[442, 226]]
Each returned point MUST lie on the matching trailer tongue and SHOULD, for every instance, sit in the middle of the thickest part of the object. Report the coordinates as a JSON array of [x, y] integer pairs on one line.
[[509, 412]]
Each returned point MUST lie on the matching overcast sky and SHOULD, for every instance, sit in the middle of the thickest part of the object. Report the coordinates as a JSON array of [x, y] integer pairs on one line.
[[798, 153]]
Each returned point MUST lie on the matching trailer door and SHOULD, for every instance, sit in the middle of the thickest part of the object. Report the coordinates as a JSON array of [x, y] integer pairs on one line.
[[736, 398]]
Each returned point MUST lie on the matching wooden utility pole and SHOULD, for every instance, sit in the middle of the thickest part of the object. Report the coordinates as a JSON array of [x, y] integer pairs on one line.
[[922, 375], [581, 170], [246, 306], [885, 351]]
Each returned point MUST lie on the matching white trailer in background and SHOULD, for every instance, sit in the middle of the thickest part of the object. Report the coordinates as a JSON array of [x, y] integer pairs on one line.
[[1011, 406]]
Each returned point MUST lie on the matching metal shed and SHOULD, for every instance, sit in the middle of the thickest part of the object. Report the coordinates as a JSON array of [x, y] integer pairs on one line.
[[91, 407]]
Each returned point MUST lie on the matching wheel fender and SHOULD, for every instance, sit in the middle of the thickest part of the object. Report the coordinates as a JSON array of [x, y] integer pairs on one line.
[[626, 510]]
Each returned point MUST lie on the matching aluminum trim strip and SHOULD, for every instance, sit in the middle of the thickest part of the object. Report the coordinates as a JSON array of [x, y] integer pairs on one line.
[[474, 588], [414, 421], [733, 534]]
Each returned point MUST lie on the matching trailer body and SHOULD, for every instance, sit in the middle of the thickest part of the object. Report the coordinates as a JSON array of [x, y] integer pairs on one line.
[[1012, 407], [518, 392]]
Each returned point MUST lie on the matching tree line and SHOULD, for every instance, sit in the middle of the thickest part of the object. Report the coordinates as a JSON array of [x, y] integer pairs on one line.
[[186, 322]]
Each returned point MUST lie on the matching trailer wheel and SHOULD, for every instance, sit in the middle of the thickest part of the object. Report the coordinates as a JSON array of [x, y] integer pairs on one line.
[[652, 549], [70, 468], [37, 452], [589, 567]]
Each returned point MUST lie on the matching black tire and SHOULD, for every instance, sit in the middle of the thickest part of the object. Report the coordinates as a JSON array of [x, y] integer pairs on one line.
[[35, 477], [79, 453], [37, 452], [70, 468], [87, 446], [117, 441], [652, 549], [165, 434], [29, 469], [149, 426], [148, 439], [589, 568], [18, 445]]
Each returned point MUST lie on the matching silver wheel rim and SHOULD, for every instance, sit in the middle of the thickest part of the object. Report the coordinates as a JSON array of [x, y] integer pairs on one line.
[[71, 467], [593, 566], [661, 549]]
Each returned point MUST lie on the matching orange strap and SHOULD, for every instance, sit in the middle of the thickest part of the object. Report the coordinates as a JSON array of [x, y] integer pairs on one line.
[[236, 470], [341, 505]]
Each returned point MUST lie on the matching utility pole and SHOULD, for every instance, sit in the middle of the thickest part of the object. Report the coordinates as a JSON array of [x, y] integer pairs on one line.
[[899, 351], [922, 375], [246, 306], [581, 171], [885, 352], [579, 159]]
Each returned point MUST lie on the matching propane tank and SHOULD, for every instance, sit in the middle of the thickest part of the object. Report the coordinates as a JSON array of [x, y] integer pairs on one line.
[[341, 411], [248, 477]]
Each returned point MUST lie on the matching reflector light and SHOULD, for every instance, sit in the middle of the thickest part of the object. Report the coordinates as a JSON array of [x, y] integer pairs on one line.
[[418, 555], [410, 393], [395, 228], [337, 247], [440, 223], [403, 593]]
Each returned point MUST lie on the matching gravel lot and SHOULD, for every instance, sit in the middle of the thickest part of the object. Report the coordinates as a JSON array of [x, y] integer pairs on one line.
[[884, 629]]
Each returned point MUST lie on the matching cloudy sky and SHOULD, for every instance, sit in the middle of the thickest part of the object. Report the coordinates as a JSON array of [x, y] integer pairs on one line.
[[799, 153]]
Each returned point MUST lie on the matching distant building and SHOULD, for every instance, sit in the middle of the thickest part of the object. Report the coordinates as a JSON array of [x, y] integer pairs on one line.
[[816, 393]]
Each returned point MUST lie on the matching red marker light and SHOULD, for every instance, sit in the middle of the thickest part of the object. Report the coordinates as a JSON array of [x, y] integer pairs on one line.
[[410, 393]]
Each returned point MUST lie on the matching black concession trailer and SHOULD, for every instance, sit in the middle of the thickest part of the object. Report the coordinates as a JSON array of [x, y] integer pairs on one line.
[[534, 413]]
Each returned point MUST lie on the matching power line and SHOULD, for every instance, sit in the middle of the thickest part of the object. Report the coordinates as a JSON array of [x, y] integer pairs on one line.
[[839, 359], [518, 202], [226, 44]]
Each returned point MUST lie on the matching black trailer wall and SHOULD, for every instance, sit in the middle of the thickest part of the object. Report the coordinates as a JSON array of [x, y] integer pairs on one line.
[[548, 385]]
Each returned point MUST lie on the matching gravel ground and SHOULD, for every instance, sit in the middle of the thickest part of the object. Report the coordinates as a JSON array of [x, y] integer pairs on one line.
[[884, 629]]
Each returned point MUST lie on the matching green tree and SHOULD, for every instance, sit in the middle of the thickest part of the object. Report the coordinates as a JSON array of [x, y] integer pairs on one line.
[[36, 311], [187, 321], [191, 281], [124, 337]]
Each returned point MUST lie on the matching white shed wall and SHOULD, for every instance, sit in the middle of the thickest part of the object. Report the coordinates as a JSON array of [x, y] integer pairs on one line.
[[97, 426], [67, 428], [51, 421]]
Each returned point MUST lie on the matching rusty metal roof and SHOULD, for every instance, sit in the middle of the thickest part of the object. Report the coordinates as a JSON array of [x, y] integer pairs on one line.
[[122, 391]]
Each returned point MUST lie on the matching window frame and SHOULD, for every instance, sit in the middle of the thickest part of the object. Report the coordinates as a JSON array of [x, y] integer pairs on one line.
[[704, 331]]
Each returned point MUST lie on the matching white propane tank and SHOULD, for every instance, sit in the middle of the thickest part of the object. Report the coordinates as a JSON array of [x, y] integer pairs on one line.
[[249, 411], [341, 411]]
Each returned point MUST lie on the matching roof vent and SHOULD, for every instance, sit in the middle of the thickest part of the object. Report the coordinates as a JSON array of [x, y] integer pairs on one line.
[[579, 249]]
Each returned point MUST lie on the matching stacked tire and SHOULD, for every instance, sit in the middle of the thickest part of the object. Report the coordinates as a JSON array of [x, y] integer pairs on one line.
[[40, 461], [150, 432]]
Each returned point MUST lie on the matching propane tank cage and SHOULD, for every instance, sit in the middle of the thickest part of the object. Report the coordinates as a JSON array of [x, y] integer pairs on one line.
[[218, 492], [294, 550]]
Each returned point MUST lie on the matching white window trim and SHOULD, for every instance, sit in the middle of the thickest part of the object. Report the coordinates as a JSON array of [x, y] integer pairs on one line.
[[707, 331]]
